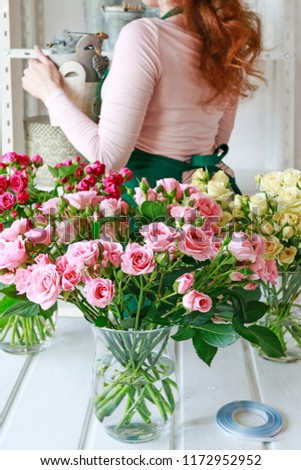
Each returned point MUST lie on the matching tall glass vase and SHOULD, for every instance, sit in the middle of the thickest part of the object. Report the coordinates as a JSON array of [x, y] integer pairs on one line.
[[134, 390], [284, 314]]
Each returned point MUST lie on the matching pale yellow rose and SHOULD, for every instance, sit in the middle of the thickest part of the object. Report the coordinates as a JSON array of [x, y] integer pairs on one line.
[[267, 228], [291, 177], [287, 256], [273, 247], [271, 182], [200, 175], [258, 204], [238, 201], [225, 219], [221, 176], [288, 232], [238, 213], [217, 190], [289, 198]]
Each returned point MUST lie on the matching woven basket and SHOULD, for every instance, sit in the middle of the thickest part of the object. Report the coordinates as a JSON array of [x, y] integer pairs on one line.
[[48, 141]]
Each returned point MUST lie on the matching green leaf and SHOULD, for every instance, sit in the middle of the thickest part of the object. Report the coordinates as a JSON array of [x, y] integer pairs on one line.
[[95, 230], [219, 334], [262, 337], [127, 323], [67, 170], [24, 308], [53, 171], [153, 210], [5, 303], [183, 334], [246, 295], [205, 351], [10, 291], [255, 310], [101, 322]]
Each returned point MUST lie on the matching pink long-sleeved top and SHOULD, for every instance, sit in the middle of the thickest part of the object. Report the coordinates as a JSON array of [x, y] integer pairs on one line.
[[152, 99]]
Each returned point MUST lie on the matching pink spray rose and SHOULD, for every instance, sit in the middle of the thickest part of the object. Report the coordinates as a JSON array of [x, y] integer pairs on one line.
[[207, 206], [138, 260], [159, 236], [50, 206], [7, 201], [18, 182], [3, 184], [195, 300], [194, 242], [82, 199], [100, 292], [83, 253], [112, 252], [70, 278], [241, 248], [22, 280], [44, 287], [184, 283]]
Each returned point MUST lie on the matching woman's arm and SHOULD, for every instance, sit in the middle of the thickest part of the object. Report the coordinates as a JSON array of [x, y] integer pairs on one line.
[[126, 95]]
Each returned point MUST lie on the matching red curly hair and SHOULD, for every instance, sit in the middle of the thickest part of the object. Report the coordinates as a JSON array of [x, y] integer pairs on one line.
[[231, 44]]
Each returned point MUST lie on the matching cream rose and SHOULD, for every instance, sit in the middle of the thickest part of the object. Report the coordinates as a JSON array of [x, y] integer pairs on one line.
[[273, 247], [271, 182], [288, 232], [287, 218], [218, 191], [291, 176], [258, 204], [267, 228], [221, 177], [291, 198], [287, 256]]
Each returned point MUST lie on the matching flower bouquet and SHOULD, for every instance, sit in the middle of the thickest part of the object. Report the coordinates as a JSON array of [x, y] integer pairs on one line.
[[275, 214], [138, 272]]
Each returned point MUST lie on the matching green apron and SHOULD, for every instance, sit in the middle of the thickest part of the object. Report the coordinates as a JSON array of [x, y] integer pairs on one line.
[[154, 167]]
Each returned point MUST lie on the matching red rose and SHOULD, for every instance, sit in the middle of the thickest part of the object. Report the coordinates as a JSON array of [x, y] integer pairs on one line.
[[18, 182], [22, 197], [3, 184], [24, 160], [37, 160], [7, 201]]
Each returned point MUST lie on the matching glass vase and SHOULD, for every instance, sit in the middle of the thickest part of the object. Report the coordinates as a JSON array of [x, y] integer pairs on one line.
[[134, 389], [284, 314], [26, 334]]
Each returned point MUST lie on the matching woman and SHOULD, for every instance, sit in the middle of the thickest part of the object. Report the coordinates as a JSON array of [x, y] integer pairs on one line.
[[171, 92]]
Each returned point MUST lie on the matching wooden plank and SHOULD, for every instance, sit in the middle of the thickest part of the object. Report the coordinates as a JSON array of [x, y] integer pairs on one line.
[[51, 404], [203, 391], [280, 387], [12, 370]]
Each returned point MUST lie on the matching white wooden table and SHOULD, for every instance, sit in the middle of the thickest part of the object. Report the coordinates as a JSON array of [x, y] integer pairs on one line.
[[44, 398]]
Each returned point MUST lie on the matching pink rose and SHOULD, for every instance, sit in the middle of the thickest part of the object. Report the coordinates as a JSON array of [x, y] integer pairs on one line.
[[258, 244], [112, 252], [42, 259], [141, 196], [50, 207], [184, 283], [110, 207], [159, 236], [7, 201], [112, 190], [70, 278], [44, 287], [22, 279], [83, 253], [207, 206], [194, 300], [9, 157], [138, 260], [7, 278], [251, 286], [18, 227], [97, 169], [40, 235], [12, 254], [194, 242], [18, 182], [271, 267], [182, 212], [62, 264], [237, 276], [82, 199], [170, 186], [37, 160], [100, 292], [126, 174], [241, 248], [3, 184]]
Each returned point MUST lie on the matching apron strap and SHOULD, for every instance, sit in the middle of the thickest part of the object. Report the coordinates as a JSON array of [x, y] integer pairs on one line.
[[198, 161]]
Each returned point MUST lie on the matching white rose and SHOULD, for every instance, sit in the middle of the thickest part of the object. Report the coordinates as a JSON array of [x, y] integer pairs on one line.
[[271, 182], [258, 204]]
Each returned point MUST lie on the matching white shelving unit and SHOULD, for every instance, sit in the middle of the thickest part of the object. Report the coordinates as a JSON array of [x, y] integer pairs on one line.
[[274, 134]]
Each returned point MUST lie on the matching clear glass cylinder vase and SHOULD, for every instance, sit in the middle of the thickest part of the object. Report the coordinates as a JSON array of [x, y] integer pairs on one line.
[[26, 334], [134, 388], [284, 314]]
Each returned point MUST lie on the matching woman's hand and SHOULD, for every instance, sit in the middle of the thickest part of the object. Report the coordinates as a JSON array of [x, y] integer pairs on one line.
[[41, 76]]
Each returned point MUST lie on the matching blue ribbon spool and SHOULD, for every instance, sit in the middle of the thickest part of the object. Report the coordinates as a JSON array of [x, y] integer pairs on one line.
[[226, 420]]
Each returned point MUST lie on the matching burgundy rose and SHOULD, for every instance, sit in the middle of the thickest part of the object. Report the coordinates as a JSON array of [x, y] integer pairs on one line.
[[7, 201], [23, 160], [3, 184], [18, 182], [37, 160]]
